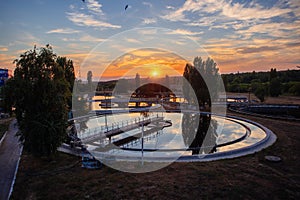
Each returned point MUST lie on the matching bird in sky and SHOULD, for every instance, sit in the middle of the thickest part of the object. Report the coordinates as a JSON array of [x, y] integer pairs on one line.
[[83, 1], [126, 7]]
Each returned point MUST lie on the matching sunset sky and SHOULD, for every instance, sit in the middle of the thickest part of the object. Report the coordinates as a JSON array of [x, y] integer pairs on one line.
[[156, 37]]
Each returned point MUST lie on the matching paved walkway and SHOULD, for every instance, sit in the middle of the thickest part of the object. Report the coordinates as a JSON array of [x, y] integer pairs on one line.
[[10, 151]]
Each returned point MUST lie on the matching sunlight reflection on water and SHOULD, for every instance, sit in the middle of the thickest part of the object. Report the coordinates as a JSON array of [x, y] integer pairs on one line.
[[170, 137]]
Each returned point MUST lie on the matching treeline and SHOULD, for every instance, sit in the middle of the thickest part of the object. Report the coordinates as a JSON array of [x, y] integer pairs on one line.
[[98, 86], [271, 83]]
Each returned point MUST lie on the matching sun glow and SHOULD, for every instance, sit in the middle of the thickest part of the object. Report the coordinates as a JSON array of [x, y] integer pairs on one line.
[[150, 63], [154, 73]]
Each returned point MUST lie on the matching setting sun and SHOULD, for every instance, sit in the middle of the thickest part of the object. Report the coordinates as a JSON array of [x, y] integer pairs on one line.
[[146, 62], [154, 73]]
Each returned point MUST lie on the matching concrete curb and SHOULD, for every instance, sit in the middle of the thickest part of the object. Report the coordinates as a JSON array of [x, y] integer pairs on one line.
[[3, 137], [15, 174], [268, 141]]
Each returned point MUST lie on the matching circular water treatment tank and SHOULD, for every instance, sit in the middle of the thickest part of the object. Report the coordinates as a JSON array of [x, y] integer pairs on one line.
[[154, 141]]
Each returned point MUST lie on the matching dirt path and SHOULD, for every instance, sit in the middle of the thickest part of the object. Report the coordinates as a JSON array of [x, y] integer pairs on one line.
[[10, 151]]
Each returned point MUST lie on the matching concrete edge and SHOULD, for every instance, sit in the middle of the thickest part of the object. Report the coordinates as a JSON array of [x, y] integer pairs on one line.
[[15, 174], [4, 135], [269, 140]]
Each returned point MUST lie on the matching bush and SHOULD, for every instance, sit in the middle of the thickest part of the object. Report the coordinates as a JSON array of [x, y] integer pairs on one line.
[[260, 92], [295, 89]]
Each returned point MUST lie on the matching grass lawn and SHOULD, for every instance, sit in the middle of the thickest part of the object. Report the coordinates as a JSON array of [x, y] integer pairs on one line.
[[248, 177]]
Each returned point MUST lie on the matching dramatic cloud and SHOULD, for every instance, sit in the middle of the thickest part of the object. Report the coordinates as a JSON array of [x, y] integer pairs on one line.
[[225, 8], [256, 49], [272, 29], [240, 12], [190, 6], [143, 61], [81, 19], [83, 38], [93, 17], [6, 60], [293, 44], [94, 6], [185, 32], [149, 21], [132, 40], [241, 35], [3, 48], [63, 31]]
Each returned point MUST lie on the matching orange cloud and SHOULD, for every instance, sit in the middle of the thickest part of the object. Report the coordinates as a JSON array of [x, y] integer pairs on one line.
[[6, 61], [146, 62]]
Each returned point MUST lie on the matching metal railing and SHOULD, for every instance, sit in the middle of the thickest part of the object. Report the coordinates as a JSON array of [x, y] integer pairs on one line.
[[115, 127]]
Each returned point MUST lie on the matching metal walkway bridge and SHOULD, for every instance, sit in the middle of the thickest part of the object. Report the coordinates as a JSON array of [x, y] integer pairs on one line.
[[103, 132]]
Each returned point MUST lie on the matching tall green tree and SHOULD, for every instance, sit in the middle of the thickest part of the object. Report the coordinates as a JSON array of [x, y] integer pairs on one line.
[[9, 97], [275, 85], [273, 73], [200, 76], [40, 92], [68, 68]]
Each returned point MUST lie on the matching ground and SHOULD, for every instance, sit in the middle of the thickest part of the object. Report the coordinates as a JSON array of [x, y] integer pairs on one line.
[[248, 177]]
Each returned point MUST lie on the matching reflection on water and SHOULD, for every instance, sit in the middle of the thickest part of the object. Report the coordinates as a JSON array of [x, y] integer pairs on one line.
[[199, 133], [189, 134]]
